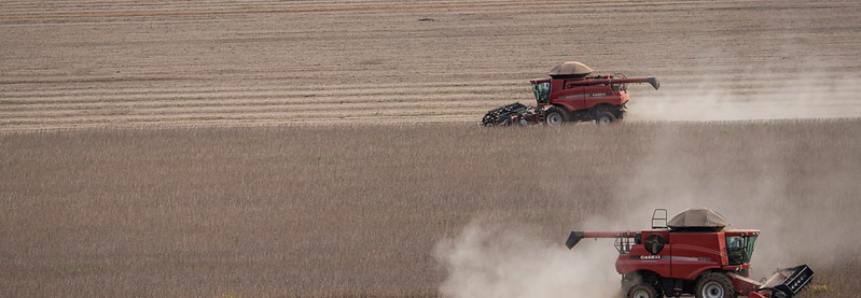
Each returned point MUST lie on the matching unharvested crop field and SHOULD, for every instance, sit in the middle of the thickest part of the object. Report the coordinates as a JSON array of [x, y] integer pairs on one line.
[[329, 148], [358, 211]]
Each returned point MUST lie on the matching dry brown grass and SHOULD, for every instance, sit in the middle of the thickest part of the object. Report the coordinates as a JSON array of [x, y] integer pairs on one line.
[[356, 211]]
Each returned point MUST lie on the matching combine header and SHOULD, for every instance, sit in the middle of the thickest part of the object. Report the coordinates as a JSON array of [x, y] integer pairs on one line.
[[693, 254], [573, 93]]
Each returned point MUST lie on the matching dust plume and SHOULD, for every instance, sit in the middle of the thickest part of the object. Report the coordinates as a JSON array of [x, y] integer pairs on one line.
[[497, 260], [767, 93], [758, 177]]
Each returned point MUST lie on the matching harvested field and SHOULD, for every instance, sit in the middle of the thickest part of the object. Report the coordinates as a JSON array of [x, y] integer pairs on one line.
[[328, 148], [89, 63]]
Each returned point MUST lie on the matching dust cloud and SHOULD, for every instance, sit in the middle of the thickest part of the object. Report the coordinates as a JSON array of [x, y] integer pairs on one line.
[[801, 193], [749, 95], [495, 260]]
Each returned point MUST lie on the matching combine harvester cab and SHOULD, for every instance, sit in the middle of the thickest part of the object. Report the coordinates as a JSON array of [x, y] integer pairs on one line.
[[693, 254], [573, 93]]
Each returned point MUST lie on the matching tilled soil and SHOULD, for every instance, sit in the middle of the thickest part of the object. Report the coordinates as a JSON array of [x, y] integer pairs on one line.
[[90, 63]]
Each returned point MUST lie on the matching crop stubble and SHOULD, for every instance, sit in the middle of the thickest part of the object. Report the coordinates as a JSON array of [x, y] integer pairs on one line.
[[217, 63], [355, 210]]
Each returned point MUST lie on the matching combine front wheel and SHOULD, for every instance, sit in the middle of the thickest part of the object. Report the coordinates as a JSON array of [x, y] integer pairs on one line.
[[555, 116], [643, 290], [605, 118], [715, 285]]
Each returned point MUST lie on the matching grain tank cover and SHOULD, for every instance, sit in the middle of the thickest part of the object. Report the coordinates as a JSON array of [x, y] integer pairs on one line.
[[698, 219], [570, 69]]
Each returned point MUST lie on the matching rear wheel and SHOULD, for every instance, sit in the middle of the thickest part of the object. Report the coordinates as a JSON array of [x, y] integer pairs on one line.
[[605, 118], [715, 285], [555, 116], [642, 290]]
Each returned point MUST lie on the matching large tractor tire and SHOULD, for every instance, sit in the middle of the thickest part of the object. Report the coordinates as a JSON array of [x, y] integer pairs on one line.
[[555, 116], [643, 290], [605, 118], [715, 285]]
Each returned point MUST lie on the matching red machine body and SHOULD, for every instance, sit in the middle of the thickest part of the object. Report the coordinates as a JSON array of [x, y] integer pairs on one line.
[[704, 261], [682, 255], [584, 93], [571, 94]]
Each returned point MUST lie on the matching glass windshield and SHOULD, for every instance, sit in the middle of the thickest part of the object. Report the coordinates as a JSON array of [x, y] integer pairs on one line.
[[739, 249], [542, 92]]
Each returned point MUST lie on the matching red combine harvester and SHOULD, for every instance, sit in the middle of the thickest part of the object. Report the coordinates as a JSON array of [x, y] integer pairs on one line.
[[693, 254], [571, 94]]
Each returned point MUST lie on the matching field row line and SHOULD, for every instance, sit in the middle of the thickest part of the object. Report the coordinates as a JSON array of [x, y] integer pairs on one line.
[[312, 108], [145, 98], [311, 9], [267, 115], [473, 105], [272, 90], [29, 100], [7, 111]]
